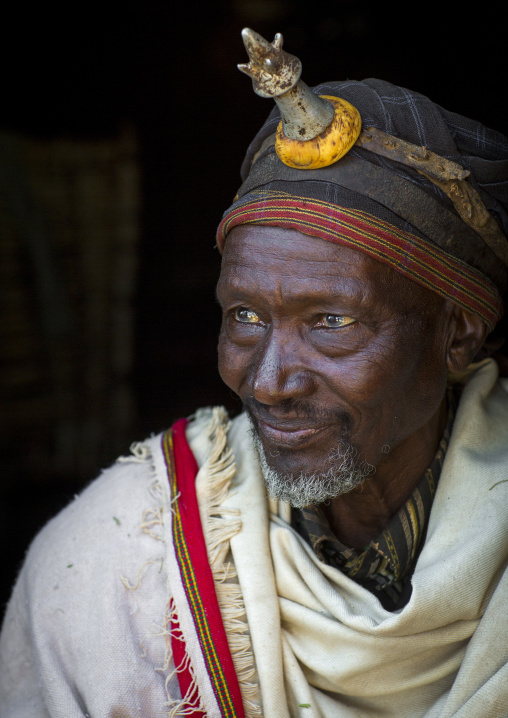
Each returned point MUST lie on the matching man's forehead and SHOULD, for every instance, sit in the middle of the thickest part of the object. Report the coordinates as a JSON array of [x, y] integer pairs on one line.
[[259, 257], [254, 245]]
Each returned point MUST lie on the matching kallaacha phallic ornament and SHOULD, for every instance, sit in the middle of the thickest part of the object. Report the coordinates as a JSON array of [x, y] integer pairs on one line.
[[315, 131]]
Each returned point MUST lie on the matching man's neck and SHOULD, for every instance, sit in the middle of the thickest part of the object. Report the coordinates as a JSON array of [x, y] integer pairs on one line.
[[360, 515]]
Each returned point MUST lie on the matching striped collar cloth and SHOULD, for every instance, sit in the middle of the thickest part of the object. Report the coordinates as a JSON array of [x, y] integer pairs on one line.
[[386, 563]]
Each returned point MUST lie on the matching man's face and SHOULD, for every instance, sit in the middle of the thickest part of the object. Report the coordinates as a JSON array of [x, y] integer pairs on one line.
[[325, 345]]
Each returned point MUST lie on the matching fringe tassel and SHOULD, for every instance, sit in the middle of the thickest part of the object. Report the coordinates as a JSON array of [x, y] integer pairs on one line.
[[219, 526], [140, 452], [191, 701], [152, 524]]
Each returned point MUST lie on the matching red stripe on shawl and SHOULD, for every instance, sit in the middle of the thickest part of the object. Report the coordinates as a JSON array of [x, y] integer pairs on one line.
[[198, 581], [184, 675]]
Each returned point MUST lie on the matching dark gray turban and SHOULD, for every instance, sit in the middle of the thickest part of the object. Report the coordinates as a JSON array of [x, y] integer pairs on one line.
[[432, 244]]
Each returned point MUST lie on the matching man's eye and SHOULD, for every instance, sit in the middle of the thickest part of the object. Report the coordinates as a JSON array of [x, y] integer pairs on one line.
[[246, 316], [335, 321]]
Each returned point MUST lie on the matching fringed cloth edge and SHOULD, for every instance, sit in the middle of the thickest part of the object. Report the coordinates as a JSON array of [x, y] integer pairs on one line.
[[214, 600]]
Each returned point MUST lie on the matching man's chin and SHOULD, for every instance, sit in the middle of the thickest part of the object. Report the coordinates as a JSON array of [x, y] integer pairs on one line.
[[343, 473]]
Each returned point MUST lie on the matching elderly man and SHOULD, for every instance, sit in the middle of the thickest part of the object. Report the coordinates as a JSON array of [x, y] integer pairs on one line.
[[360, 301]]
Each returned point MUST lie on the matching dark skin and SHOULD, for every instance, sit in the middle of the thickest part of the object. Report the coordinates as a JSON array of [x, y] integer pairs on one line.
[[323, 343]]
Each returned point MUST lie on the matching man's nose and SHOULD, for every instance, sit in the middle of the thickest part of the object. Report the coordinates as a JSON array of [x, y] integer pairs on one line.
[[280, 371]]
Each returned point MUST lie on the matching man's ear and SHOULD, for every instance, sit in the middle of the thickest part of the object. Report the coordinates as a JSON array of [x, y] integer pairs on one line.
[[467, 333]]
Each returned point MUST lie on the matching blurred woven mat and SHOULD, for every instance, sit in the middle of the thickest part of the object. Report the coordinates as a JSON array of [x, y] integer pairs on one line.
[[69, 228]]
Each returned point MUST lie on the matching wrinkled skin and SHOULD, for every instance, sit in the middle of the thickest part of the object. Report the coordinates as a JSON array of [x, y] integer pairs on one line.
[[321, 343]]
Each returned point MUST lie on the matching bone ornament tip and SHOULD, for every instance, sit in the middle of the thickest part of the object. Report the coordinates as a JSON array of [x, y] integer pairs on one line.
[[315, 131]]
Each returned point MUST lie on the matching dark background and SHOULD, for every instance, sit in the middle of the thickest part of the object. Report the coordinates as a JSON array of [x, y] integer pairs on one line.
[[169, 70]]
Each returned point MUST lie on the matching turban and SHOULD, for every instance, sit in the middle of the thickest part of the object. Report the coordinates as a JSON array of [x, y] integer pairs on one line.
[[384, 208]]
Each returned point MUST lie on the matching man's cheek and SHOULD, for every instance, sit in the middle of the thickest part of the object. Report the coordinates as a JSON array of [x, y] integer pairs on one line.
[[230, 365]]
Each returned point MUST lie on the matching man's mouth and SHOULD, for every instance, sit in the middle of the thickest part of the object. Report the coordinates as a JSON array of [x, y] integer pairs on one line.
[[296, 425], [288, 430], [289, 435]]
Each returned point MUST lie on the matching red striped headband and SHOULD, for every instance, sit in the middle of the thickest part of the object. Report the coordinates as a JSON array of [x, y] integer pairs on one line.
[[412, 256]]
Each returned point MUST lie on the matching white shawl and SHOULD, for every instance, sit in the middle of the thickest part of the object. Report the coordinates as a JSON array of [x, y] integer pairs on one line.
[[87, 630], [325, 647]]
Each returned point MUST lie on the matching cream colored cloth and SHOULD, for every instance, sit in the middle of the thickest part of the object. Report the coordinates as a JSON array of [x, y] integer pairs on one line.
[[83, 635], [86, 631], [445, 653]]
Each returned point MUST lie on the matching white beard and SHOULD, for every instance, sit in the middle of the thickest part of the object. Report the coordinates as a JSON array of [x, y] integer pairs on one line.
[[345, 473]]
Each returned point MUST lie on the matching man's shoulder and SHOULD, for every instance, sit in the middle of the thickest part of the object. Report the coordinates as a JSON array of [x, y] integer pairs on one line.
[[105, 521], [102, 523], [92, 588]]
